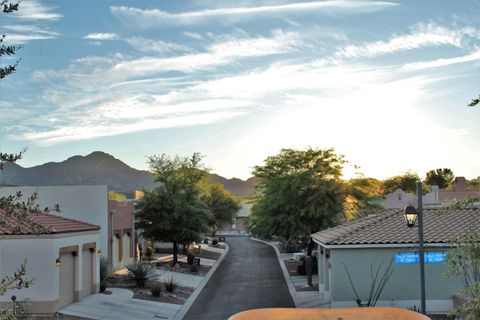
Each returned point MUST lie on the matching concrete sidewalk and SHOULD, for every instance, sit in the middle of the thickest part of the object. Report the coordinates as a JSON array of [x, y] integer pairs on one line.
[[302, 299], [120, 305]]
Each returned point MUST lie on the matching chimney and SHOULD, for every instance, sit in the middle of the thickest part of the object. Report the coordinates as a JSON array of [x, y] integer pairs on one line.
[[460, 184]]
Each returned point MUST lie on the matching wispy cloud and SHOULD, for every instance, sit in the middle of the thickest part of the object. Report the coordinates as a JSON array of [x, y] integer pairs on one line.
[[442, 62], [36, 10], [150, 45], [217, 54], [422, 35], [154, 17], [18, 34], [101, 36], [193, 35]]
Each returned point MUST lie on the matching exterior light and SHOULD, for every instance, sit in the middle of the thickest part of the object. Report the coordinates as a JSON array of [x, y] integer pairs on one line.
[[99, 253], [411, 215], [58, 263]]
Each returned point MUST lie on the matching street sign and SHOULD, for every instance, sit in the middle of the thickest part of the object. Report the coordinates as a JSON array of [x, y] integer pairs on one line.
[[413, 257]]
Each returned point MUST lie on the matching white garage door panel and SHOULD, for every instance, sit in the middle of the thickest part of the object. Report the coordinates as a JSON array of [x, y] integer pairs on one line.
[[87, 273], [67, 279]]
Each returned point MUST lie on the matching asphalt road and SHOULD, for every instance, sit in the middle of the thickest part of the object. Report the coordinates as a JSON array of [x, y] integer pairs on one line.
[[249, 277]]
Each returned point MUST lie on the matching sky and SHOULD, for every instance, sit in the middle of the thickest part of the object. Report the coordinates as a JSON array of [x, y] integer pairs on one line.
[[385, 83]]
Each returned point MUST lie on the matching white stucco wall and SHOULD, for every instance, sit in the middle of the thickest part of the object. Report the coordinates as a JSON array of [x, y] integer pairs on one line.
[[41, 253], [83, 203]]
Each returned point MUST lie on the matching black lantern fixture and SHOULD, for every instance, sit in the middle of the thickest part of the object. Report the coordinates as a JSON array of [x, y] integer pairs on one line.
[[58, 263], [411, 215]]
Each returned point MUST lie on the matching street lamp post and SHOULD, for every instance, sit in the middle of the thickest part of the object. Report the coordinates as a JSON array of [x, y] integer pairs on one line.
[[411, 216]]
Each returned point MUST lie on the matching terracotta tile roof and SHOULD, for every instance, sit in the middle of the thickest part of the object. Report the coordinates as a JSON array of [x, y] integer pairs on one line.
[[43, 223], [389, 227]]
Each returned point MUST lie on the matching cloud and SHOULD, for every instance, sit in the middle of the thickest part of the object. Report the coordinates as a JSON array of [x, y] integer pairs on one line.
[[422, 35], [101, 36], [217, 54], [36, 10], [150, 45], [442, 62], [153, 17], [193, 35], [18, 34]]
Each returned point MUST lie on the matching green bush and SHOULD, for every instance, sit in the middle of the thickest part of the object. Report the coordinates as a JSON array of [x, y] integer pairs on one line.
[[155, 288], [141, 273]]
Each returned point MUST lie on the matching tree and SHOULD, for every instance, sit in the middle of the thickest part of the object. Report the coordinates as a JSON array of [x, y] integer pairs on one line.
[[301, 193], [439, 177], [464, 260], [7, 7], [474, 102], [221, 203], [173, 212], [407, 182], [112, 195]]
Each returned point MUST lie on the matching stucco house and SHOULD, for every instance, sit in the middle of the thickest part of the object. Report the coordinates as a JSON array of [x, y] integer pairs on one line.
[[122, 245], [62, 257], [381, 238], [238, 225], [436, 197], [90, 204]]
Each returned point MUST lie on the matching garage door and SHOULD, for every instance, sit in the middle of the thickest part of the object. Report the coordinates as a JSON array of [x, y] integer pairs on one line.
[[87, 272], [67, 279]]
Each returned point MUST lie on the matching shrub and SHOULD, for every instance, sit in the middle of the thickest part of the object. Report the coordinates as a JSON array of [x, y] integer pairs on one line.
[[105, 269], [141, 273], [103, 285], [193, 268], [190, 258], [170, 284], [155, 288]]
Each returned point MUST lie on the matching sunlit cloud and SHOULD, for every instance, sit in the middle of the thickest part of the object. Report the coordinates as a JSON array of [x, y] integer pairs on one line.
[[150, 45], [101, 36], [422, 35], [217, 54], [154, 17], [442, 62], [36, 10], [19, 34]]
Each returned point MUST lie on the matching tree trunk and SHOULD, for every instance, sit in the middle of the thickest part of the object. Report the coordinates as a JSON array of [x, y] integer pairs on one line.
[[175, 253], [309, 270]]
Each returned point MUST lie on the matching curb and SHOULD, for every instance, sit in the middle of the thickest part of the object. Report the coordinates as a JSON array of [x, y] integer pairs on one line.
[[291, 287], [188, 304]]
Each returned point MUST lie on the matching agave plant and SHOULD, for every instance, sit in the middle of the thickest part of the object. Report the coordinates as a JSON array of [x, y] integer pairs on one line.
[[141, 273]]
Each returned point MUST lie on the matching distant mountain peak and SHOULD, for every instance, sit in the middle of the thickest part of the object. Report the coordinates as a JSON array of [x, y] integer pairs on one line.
[[100, 168]]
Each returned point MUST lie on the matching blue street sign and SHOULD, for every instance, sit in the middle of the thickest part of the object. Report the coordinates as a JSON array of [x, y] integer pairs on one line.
[[413, 257]]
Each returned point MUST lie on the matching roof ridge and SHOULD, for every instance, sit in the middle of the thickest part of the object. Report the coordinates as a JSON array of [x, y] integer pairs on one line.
[[361, 223]]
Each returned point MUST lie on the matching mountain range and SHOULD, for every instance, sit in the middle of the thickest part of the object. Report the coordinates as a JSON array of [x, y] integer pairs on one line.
[[100, 168]]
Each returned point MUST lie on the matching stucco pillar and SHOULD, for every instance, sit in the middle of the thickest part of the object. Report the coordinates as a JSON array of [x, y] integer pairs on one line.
[[326, 270], [321, 274], [78, 275]]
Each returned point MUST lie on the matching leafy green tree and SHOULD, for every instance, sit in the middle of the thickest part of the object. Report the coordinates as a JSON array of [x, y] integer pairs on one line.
[[464, 260], [407, 182], [7, 7], [474, 102], [301, 193], [222, 204], [174, 212], [441, 177]]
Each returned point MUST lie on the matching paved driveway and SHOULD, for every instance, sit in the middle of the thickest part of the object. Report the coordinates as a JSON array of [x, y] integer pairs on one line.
[[249, 277]]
